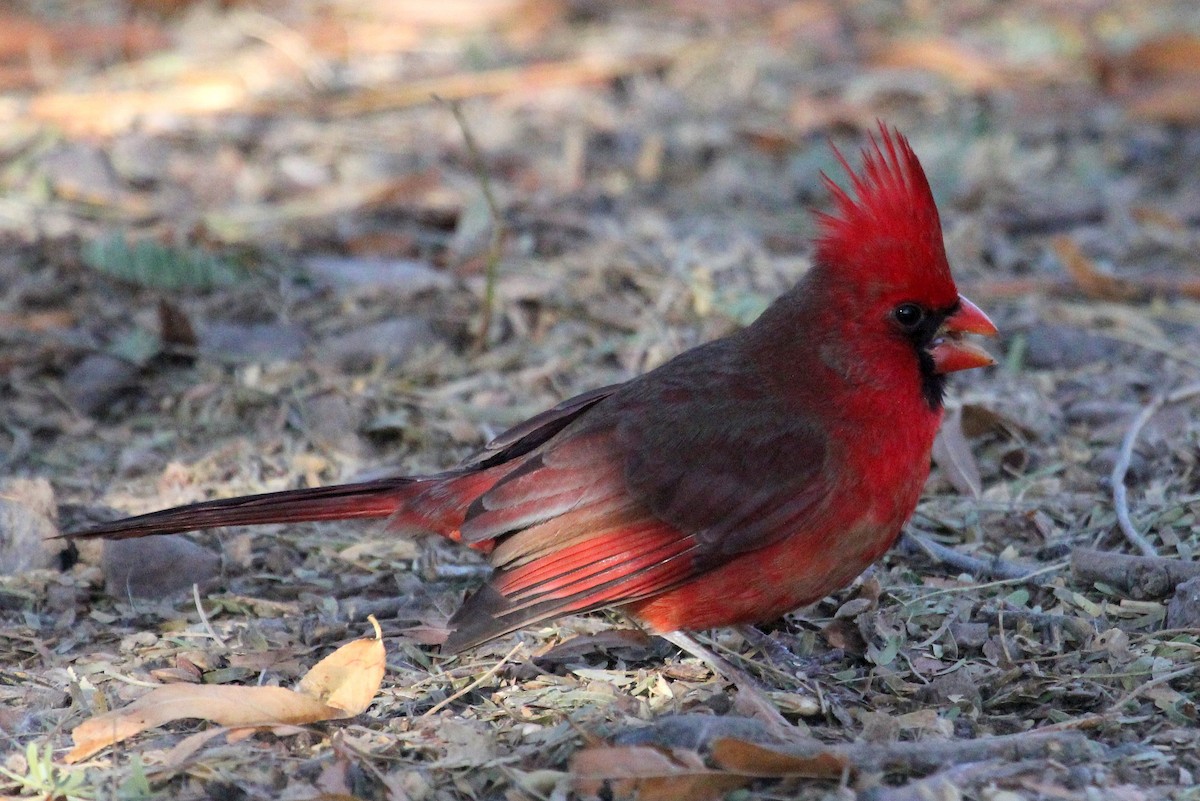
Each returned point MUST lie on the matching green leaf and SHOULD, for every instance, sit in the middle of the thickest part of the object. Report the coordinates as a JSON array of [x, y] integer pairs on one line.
[[136, 346], [137, 786], [150, 264]]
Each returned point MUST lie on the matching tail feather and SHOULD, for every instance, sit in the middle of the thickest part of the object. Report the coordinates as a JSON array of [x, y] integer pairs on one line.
[[365, 500]]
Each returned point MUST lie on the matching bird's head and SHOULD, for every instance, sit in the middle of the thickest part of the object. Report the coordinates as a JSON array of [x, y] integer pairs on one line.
[[880, 252]]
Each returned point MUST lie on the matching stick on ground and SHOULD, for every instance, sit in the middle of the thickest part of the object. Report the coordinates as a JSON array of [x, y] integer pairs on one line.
[[1139, 577], [980, 568], [1120, 500]]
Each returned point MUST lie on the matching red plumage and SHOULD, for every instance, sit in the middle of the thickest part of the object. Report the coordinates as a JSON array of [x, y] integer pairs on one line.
[[739, 480]]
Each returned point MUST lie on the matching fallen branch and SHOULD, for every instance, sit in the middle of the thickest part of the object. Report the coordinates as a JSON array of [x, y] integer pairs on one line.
[[993, 568], [1120, 500], [927, 755], [707, 733], [1139, 577]]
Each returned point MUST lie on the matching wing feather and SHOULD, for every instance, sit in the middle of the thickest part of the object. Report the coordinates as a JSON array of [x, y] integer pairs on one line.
[[636, 495]]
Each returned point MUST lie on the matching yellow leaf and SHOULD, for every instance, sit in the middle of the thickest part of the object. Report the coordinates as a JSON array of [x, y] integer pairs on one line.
[[339, 686]]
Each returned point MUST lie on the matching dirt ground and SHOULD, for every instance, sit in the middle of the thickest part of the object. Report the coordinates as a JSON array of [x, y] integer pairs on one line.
[[244, 248]]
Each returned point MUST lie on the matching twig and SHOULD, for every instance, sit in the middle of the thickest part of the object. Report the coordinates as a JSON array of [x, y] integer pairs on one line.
[[440, 705], [1041, 571], [496, 237], [1139, 577], [1120, 500], [922, 757], [991, 568], [455, 572], [1141, 688], [1076, 627], [914, 757], [387, 608], [204, 617]]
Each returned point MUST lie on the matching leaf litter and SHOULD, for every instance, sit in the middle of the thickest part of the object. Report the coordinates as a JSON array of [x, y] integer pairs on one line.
[[215, 285]]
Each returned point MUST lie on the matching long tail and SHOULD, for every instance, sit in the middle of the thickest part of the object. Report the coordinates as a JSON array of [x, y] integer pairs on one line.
[[365, 500]]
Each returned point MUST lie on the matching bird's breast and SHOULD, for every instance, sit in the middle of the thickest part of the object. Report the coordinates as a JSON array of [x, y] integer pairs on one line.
[[766, 583], [880, 473]]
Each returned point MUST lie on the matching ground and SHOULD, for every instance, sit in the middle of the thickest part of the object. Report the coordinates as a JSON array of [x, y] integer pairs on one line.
[[249, 246]]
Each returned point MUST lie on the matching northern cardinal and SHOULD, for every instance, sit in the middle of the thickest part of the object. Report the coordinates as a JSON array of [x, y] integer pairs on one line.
[[740, 480]]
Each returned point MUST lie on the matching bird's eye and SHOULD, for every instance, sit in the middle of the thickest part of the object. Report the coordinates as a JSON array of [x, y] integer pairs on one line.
[[909, 315]]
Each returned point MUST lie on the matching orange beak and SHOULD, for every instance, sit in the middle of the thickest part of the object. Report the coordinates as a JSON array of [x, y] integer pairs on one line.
[[950, 351]]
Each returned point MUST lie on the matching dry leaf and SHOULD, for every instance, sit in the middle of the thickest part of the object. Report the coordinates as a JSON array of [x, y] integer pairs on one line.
[[649, 774], [348, 678], [174, 325], [1167, 56], [946, 58], [37, 322], [953, 454], [679, 774], [1175, 101], [1087, 276], [339, 686], [755, 759]]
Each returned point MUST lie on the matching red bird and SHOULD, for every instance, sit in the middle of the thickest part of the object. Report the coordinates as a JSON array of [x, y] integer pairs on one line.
[[740, 480]]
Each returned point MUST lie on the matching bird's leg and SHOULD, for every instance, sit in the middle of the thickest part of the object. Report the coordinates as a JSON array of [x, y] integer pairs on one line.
[[751, 699]]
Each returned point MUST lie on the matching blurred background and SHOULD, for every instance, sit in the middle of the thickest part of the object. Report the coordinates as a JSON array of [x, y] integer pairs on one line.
[[254, 244], [289, 183], [261, 181]]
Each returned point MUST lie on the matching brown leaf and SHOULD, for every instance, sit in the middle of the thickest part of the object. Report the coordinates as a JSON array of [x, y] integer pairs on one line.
[[36, 322], [1169, 55], [1087, 276], [1173, 101], [756, 759], [978, 420], [339, 686], [108, 110], [946, 58], [649, 774], [953, 455], [22, 34], [480, 83], [175, 326], [845, 635], [348, 678]]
